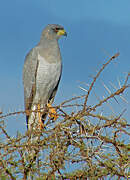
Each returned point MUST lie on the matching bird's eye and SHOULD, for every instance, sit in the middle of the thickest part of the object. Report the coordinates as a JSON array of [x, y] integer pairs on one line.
[[57, 29]]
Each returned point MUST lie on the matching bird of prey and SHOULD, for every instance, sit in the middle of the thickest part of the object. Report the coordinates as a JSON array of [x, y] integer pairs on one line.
[[41, 75]]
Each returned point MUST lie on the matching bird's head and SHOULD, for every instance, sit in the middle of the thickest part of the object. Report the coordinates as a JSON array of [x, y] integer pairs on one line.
[[53, 31]]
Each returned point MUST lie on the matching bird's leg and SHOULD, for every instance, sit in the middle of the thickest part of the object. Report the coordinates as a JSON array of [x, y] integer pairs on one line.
[[39, 116], [52, 112]]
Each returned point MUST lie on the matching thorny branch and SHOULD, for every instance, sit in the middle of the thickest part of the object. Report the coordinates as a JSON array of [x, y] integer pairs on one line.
[[96, 143], [96, 77]]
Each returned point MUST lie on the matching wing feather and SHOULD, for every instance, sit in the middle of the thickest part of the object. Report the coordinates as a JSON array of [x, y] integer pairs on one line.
[[29, 78]]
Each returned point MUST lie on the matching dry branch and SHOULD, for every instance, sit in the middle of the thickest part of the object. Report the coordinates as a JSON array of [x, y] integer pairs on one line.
[[97, 143]]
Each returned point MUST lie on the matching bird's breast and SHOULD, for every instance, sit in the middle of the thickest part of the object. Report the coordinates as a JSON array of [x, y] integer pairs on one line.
[[46, 79]]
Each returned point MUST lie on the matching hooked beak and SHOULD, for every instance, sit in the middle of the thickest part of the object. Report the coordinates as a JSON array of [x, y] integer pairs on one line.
[[62, 32]]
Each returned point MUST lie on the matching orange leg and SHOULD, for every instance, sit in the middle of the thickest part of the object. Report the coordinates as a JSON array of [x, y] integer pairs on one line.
[[52, 112], [39, 116]]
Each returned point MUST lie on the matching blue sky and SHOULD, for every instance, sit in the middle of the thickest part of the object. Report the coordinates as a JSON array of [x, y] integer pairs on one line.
[[96, 30]]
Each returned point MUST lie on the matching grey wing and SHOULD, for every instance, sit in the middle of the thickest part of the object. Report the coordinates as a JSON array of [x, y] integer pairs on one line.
[[29, 77]]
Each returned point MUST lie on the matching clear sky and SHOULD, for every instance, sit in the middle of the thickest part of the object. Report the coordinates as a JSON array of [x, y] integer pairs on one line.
[[96, 30]]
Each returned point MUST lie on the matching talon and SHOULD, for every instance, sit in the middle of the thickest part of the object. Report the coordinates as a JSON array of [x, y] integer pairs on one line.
[[52, 112]]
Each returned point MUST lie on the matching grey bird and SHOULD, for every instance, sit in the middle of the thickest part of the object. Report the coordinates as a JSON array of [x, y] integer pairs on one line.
[[41, 75]]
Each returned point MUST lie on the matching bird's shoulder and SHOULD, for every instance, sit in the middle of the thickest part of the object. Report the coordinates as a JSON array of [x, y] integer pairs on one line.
[[30, 66], [31, 55]]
